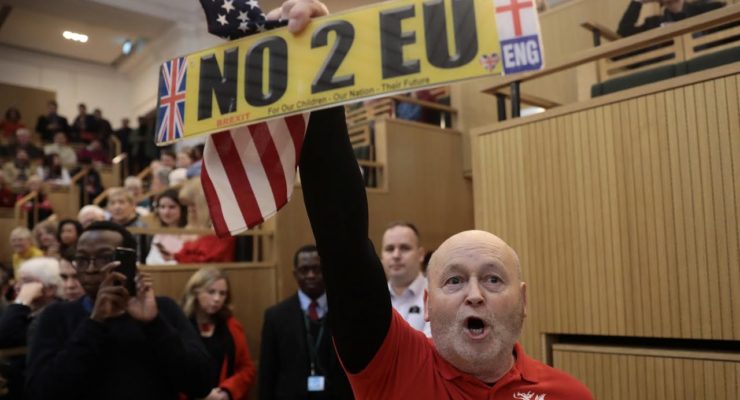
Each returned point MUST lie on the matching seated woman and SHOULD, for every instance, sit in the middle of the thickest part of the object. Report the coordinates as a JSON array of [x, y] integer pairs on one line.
[[170, 214], [45, 234], [207, 303], [68, 231], [53, 172], [42, 204], [122, 211], [208, 248]]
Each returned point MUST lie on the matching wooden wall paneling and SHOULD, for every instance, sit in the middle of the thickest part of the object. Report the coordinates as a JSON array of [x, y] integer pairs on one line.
[[717, 242], [554, 206], [687, 275], [651, 282], [713, 327], [616, 187], [252, 290], [669, 311], [725, 218], [731, 144]]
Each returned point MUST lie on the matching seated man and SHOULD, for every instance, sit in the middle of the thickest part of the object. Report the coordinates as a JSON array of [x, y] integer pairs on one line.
[[111, 346], [296, 342], [71, 288], [674, 11], [37, 285], [476, 301]]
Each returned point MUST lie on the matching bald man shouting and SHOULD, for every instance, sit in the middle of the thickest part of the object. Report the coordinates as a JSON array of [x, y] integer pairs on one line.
[[475, 300]]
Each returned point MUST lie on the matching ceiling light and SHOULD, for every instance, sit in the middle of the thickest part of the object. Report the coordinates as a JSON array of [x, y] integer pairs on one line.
[[127, 46], [74, 36]]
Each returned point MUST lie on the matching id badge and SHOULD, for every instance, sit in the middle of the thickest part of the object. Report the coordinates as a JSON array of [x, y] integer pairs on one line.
[[315, 383]]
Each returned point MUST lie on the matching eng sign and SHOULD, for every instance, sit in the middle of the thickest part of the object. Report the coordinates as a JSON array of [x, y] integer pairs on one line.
[[386, 48]]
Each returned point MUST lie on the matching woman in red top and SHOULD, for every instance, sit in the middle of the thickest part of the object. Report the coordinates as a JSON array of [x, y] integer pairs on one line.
[[9, 125], [207, 303], [206, 248]]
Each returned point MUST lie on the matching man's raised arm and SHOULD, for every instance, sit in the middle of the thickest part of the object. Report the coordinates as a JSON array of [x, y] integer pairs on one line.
[[334, 193]]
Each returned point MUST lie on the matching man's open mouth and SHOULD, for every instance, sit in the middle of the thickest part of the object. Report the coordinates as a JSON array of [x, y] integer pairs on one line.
[[476, 327]]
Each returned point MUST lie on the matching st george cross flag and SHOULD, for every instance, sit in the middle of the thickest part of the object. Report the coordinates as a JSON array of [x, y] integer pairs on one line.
[[248, 173]]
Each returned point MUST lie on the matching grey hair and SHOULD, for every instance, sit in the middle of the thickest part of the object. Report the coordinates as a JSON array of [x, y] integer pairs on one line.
[[45, 269]]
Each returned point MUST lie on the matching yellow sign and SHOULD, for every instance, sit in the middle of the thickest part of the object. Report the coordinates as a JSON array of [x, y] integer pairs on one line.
[[387, 48]]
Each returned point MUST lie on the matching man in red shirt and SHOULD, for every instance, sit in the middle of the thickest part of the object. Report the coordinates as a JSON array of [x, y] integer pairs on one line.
[[475, 298]]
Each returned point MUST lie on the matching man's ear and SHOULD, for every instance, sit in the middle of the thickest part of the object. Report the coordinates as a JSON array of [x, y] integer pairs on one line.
[[524, 296], [422, 254], [426, 305]]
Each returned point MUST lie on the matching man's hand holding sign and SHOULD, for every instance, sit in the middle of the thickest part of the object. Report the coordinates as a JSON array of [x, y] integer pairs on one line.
[[475, 300]]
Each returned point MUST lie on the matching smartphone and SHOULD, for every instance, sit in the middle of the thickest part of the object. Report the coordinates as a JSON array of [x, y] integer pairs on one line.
[[127, 257]]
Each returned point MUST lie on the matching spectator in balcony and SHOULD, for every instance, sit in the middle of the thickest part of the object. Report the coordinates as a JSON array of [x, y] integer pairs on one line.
[[122, 208], [160, 178], [45, 235], [38, 208], [7, 197], [194, 169], [89, 214], [208, 248], [91, 185], [104, 128], [84, 127], [673, 11], [207, 303], [23, 142], [171, 213], [134, 185], [168, 159], [17, 171], [95, 152], [52, 171], [21, 242], [47, 125], [68, 231], [9, 125], [123, 134], [122, 211], [61, 146]]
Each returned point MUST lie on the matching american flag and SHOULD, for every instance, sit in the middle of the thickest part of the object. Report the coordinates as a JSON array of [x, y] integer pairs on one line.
[[248, 172], [173, 76]]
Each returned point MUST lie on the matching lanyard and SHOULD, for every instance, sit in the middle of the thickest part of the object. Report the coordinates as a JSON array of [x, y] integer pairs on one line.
[[313, 345]]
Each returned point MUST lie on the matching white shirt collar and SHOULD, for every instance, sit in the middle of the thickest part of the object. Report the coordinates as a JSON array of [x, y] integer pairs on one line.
[[306, 301], [415, 288]]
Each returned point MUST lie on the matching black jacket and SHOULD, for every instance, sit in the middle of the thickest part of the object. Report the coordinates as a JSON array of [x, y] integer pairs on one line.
[[284, 358], [628, 24], [74, 357]]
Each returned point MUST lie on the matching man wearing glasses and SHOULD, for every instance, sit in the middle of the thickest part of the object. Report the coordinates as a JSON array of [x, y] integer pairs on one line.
[[109, 345]]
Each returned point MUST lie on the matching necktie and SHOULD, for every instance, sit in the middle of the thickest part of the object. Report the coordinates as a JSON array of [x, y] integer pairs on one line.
[[313, 313]]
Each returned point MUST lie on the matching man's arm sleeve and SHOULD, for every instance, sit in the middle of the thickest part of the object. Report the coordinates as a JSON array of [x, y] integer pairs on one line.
[[60, 367], [334, 194], [628, 23], [181, 354], [14, 325], [269, 356]]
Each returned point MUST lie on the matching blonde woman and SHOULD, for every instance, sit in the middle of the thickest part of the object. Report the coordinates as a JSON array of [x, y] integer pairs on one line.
[[208, 248], [207, 303], [45, 234]]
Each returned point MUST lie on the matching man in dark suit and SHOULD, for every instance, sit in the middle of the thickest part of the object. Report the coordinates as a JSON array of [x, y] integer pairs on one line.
[[51, 123], [297, 358]]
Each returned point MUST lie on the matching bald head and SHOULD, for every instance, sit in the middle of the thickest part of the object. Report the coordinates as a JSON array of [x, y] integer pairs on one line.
[[475, 241]]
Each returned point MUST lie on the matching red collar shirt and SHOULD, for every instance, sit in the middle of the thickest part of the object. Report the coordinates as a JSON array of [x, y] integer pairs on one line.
[[407, 366]]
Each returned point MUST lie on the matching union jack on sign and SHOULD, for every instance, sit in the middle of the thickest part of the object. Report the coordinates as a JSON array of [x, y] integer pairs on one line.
[[171, 100]]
